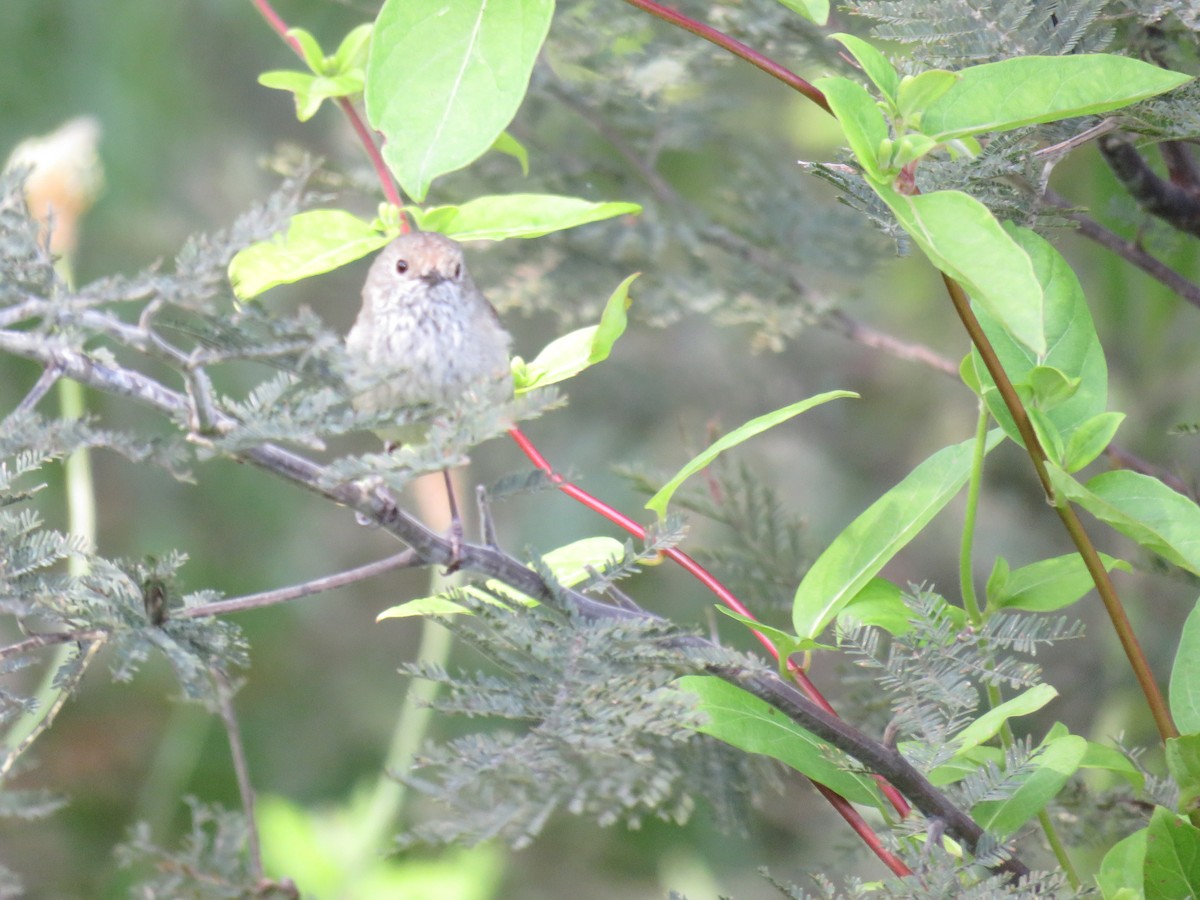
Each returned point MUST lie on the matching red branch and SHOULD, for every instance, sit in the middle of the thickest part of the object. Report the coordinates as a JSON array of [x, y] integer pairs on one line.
[[736, 47], [839, 803], [386, 181]]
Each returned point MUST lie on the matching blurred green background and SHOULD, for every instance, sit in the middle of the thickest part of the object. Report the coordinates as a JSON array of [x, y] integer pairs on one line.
[[186, 132]]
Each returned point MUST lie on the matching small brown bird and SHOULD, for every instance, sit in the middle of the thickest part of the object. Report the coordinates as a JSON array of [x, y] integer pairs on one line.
[[426, 333]]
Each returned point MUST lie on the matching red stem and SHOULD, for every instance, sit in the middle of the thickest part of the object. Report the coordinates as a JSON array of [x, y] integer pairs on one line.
[[839, 803], [736, 47], [386, 181], [702, 575]]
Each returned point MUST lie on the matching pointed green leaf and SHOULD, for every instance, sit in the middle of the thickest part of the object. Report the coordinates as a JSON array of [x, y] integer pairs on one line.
[[1172, 865], [858, 553], [1183, 762], [1026, 90], [316, 241], [748, 723], [658, 503], [352, 51], [1185, 676], [508, 145], [570, 354], [1141, 508], [989, 724], [1056, 762], [445, 79], [1090, 439], [917, 92], [1069, 335], [862, 122], [309, 48], [963, 239], [784, 642], [569, 564], [1047, 584], [879, 604], [874, 64], [814, 10], [503, 216], [1120, 876]]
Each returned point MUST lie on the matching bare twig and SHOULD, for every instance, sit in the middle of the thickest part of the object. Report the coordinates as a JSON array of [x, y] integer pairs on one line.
[[237, 752], [49, 376], [296, 591], [434, 549], [1175, 205], [1127, 250]]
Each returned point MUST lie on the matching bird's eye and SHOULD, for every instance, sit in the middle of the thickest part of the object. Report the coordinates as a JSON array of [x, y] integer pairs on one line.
[[457, 271], [402, 266]]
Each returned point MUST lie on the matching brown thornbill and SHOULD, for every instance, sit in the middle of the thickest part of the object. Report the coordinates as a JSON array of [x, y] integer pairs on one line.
[[426, 336]]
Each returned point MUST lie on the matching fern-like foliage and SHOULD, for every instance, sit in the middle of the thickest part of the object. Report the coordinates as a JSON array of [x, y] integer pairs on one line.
[[583, 720], [935, 672], [953, 34], [209, 864]]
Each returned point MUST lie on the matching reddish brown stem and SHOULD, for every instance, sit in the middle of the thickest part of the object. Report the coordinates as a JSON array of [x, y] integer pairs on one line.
[[736, 47], [386, 181], [701, 574]]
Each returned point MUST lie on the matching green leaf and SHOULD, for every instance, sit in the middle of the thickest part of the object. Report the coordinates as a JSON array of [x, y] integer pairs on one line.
[[1047, 433], [1073, 349], [1183, 762], [316, 242], [1026, 90], [510, 146], [314, 57], [1113, 760], [502, 216], [352, 51], [874, 64], [1090, 439], [748, 723], [989, 724], [1051, 387], [658, 503], [879, 533], [908, 148], [1120, 876], [967, 763], [312, 90], [814, 10], [569, 564], [1172, 865], [570, 354], [880, 604], [962, 238], [1184, 692], [785, 643], [1045, 585], [1056, 762], [613, 320], [445, 79], [1141, 508], [916, 92], [862, 122]]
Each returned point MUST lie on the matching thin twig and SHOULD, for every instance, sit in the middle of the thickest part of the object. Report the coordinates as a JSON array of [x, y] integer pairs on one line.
[[308, 588], [237, 752], [65, 691], [52, 638], [45, 381], [1127, 250], [491, 562]]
